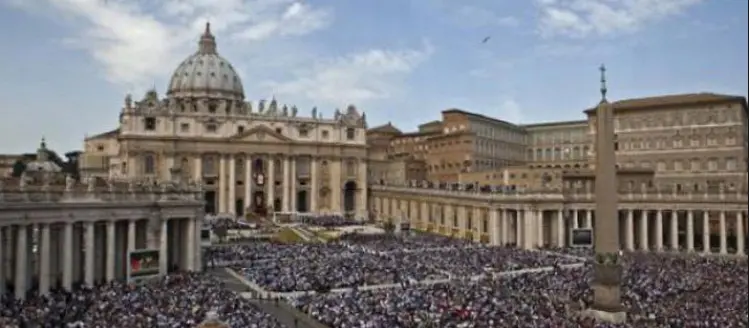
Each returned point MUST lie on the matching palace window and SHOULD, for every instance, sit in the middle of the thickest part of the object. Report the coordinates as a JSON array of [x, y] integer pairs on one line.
[[184, 127], [240, 129], [212, 128], [325, 134], [350, 134], [149, 164], [212, 108], [149, 123]]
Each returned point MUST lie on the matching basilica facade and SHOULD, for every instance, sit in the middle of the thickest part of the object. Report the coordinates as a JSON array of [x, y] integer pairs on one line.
[[249, 157]]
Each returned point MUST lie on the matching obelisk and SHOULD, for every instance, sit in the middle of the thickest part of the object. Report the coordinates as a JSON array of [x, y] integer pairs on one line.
[[606, 284]]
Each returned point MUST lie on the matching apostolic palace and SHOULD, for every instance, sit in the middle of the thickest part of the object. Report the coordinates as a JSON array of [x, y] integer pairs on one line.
[[204, 148]]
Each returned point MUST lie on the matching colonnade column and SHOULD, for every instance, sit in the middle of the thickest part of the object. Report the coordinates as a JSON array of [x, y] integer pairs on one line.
[[44, 260], [231, 203], [561, 242], [575, 219], [313, 189], [286, 185], [221, 184], [67, 263], [198, 173], [271, 197], [190, 241], [88, 275], [494, 234], [362, 182], [539, 221], [644, 242], [248, 183], [706, 232], [630, 230], [658, 230], [690, 231], [588, 219], [674, 239], [3, 262], [740, 233], [22, 263], [111, 251], [293, 185], [335, 185], [505, 221], [164, 247], [723, 233]]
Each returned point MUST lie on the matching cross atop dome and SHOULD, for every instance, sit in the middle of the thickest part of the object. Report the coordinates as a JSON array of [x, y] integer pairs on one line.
[[207, 44]]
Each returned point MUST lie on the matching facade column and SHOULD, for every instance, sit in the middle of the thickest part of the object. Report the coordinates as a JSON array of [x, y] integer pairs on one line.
[[575, 219], [88, 274], [190, 247], [644, 242], [658, 230], [22, 262], [270, 202], [706, 232], [520, 237], [130, 237], [232, 201], [740, 245], [313, 189], [248, 183], [222, 184], [494, 232], [674, 239], [690, 231], [67, 251], [505, 227], [111, 252], [540, 229], [293, 185], [286, 185], [589, 219], [198, 173], [362, 183], [164, 247], [3, 261], [528, 229], [561, 242], [723, 233], [629, 232], [44, 260]]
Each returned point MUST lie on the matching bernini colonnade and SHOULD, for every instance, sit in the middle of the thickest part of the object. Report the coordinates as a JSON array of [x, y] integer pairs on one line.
[[648, 222]]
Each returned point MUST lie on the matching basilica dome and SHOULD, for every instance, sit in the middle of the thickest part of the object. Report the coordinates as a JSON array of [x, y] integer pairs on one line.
[[206, 74]]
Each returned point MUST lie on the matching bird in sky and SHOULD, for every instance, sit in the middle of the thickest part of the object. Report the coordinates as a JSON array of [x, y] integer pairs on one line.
[[486, 39]]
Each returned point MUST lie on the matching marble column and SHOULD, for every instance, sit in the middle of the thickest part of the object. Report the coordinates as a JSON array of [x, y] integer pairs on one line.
[[44, 260], [740, 235], [190, 245], [335, 186], [111, 252], [690, 231], [630, 231], [658, 230], [706, 232], [22, 262], [2, 260], [505, 221], [270, 202], [561, 242], [539, 221], [248, 183], [644, 238], [529, 229], [67, 263], [221, 194], [674, 239], [164, 248], [589, 219], [723, 233], [313, 189], [131, 232], [494, 234], [293, 186], [575, 219], [362, 183], [198, 173], [89, 273], [286, 185], [232, 201]]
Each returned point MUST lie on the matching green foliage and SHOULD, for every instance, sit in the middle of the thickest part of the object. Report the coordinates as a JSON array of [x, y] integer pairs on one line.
[[18, 167], [68, 166], [389, 227]]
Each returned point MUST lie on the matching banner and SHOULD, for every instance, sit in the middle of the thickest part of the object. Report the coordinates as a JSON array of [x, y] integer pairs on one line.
[[582, 237], [143, 263]]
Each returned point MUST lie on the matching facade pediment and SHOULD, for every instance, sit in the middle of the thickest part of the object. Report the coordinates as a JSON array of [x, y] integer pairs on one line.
[[260, 134]]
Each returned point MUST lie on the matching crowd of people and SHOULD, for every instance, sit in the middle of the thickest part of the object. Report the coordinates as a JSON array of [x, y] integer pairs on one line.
[[174, 301], [328, 221], [403, 242], [659, 291]]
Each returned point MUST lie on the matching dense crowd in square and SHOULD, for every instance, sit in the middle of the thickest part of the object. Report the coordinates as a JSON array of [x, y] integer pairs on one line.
[[174, 301]]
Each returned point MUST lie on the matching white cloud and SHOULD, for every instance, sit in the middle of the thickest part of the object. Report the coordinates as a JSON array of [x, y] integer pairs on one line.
[[356, 78], [139, 41], [477, 17], [583, 18]]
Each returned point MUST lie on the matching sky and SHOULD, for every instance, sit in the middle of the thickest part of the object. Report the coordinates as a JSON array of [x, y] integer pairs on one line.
[[66, 65]]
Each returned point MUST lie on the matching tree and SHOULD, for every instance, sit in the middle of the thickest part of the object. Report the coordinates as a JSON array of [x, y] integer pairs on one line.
[[18, 167], [389, 227]]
